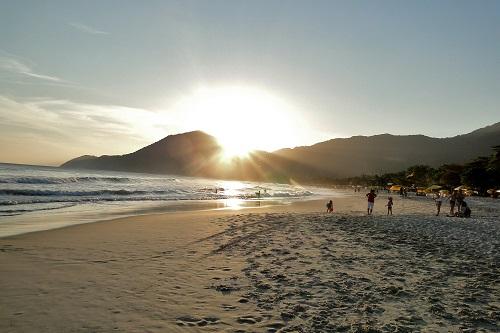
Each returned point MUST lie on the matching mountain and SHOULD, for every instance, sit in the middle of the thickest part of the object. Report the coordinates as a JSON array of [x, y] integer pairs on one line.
[[187, 154], [389, 153], [198, 154]]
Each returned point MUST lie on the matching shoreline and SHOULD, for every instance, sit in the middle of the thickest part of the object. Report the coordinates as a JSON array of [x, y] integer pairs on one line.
[[45, 221], [145, 208]]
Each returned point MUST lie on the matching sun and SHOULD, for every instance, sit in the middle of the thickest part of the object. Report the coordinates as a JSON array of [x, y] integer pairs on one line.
[[235, 149], [241, 118]]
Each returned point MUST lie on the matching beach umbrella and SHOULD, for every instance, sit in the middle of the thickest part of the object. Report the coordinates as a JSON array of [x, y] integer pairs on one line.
[[461, 187], [395, 188], [434, 188]]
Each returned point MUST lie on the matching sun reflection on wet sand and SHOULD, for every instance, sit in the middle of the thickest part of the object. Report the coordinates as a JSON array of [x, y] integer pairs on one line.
[[237, 204], [234, 204]]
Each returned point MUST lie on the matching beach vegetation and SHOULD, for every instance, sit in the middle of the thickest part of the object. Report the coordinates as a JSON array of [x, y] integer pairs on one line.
[[481, 174]]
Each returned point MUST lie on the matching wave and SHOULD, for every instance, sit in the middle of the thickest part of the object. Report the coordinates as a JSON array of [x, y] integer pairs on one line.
[[61, 180], [22, 192], [77, 200], [33, 209], [146, 196]]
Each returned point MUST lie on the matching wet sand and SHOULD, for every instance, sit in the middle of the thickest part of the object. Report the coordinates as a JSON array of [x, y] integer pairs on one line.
[[274, 269]]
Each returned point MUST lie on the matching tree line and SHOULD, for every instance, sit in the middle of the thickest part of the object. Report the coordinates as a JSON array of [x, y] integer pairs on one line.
[[480, 174]]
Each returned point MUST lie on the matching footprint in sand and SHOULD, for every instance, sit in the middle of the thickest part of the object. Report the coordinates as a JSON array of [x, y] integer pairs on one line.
[[274, 327], [225, 289], [249, 319], [228, 307], [197, 321]]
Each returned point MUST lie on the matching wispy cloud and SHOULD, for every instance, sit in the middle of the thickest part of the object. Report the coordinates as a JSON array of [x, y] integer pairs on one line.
[[14, 65], [87, 29], [65, 129]]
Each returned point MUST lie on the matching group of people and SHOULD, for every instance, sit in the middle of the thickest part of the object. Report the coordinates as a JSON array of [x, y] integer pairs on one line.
[[371, 202], [456, 200]]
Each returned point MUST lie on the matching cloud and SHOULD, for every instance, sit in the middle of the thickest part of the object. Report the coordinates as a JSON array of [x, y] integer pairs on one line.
[[64, 129], [13, 65], [87, 29]]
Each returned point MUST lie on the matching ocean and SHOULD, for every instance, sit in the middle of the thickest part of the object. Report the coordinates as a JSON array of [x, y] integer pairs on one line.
[[36, 198]]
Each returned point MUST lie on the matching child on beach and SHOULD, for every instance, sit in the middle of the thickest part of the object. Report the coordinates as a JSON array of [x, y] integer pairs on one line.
[[371, 201], [329, 207], [389, 206], [439, 200]]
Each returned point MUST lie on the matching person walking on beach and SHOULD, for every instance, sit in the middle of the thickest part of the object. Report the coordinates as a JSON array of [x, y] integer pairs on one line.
[[389, 206], [371, 201], [329, 206], [439, 200]]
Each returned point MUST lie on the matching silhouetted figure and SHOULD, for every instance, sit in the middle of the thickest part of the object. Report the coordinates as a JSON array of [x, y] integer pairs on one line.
[[464, 210], [460, 199], [371, 201], [389, 206], [439, 200], [329, 206], [453, 199]]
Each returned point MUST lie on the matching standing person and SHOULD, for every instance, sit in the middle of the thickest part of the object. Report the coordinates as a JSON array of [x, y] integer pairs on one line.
[[439, 200], [371, 201], [329, 206], [453, 199], [389, 205], [460, 199]]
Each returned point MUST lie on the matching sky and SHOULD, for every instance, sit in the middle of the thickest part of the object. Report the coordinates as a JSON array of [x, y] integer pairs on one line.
[[108, 77]]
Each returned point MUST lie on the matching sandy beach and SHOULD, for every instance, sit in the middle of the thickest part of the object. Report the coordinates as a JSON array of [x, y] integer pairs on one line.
[[287, 268]]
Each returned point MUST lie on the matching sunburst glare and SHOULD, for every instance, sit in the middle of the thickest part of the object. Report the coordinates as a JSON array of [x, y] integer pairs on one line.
[[241, 118]]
